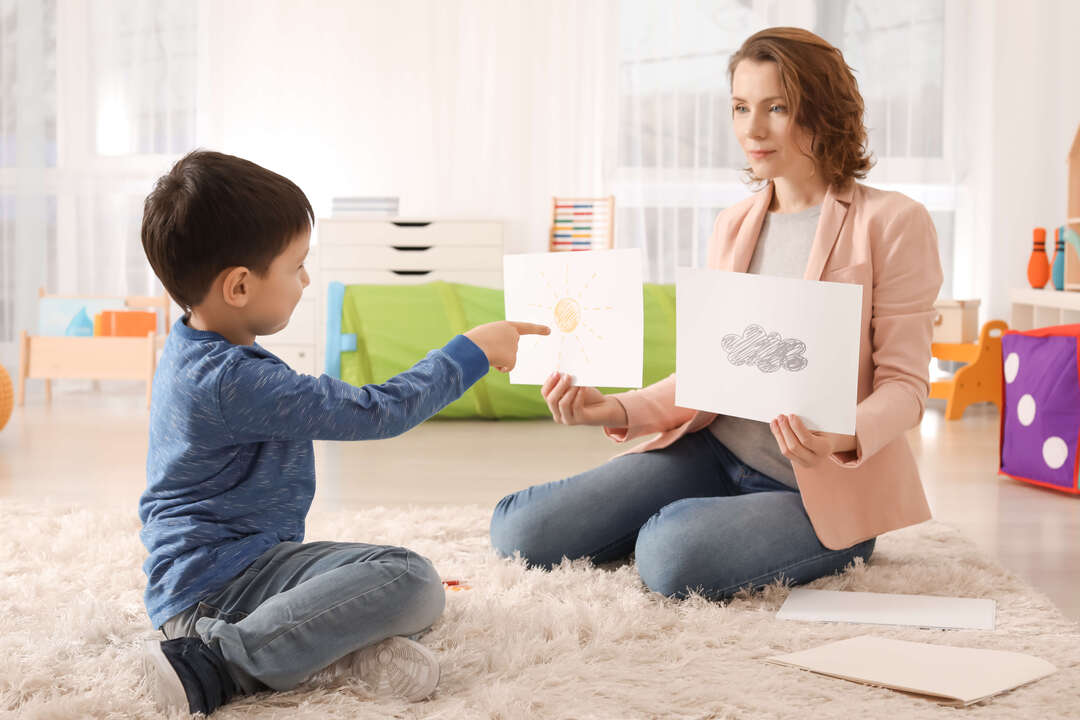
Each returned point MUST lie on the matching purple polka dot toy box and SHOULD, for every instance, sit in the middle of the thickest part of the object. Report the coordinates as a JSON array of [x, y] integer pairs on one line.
[[1040, 417]]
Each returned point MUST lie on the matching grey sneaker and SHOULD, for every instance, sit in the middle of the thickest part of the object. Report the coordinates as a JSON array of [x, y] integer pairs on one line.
[[398, 666]]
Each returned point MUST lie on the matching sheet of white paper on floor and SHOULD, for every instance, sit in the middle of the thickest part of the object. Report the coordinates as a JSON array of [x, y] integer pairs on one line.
[[593, 303], [954, 674], [756, 346], [929, 611]]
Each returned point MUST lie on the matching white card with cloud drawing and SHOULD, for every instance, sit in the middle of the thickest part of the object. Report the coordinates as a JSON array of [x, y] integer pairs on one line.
[[756, 346], [593, 303]]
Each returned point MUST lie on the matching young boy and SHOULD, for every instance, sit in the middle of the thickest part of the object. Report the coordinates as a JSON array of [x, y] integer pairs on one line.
[[245, 605]]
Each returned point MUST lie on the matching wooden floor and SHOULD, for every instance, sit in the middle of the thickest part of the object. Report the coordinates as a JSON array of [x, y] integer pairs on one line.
[[90, 447]]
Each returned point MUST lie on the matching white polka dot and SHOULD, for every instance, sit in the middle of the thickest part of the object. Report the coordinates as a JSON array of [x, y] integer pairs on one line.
[[1025, 410], [1055, 452], [1012, 366]]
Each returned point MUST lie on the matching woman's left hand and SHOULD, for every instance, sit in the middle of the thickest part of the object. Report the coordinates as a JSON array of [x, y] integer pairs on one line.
[[805, 447]]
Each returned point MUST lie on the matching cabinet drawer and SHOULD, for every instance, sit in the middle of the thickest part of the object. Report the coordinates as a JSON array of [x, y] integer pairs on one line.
[[300, 358], [483, 278], [404, 257], [388, 233]]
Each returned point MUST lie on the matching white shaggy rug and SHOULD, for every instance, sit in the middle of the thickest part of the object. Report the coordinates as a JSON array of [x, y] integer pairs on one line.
[[578, 642]]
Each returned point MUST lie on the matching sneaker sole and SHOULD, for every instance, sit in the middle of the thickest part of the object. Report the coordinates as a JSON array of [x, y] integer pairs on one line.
[[165, 687], [400, 667]]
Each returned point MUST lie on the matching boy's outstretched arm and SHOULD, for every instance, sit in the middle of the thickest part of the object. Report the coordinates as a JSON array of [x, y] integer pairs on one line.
[[263, 399]]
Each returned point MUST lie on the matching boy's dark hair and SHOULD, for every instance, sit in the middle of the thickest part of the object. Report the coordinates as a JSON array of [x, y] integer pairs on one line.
[[214, 211]]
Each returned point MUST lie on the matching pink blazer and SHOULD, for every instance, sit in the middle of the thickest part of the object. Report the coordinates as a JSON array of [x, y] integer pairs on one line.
[[886, 242]]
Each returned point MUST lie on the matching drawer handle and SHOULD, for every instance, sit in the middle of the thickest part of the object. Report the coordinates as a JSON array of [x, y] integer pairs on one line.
[[410, 272], [411, 248], [411, 223]]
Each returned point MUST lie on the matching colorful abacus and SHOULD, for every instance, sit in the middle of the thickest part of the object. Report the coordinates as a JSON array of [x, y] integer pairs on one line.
[[582, 224]]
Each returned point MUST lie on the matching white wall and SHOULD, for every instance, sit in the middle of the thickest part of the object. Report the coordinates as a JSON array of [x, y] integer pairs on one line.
[[1025, 109]]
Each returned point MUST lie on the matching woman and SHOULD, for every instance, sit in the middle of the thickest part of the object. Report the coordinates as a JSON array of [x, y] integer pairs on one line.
[[714, 503]]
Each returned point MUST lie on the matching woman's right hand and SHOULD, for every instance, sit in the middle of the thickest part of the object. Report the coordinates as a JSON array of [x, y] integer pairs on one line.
[[571, 405]]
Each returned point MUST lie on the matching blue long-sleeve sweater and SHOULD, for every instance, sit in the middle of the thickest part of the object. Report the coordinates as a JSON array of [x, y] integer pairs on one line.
[[231, 470]]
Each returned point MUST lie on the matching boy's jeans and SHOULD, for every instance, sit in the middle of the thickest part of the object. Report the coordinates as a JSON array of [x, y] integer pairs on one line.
[[696, 517], [300, 607]]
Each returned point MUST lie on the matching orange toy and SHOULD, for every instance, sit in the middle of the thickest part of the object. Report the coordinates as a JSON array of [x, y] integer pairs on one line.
[[1038, 270], [980, 379], [7, 397], [128, 323]]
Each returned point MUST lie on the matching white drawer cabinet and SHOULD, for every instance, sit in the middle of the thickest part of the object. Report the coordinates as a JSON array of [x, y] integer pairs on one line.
[[401, 251], [398, 252], [404, 252]]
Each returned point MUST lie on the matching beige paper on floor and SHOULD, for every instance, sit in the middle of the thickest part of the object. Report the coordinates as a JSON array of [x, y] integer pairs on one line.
[[954, 674], [929, 611]]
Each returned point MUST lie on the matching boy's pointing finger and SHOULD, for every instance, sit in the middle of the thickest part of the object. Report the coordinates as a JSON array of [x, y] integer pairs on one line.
[[525, 328]]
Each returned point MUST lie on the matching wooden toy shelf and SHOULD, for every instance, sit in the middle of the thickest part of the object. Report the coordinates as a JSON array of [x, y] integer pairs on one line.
[[48, 358]]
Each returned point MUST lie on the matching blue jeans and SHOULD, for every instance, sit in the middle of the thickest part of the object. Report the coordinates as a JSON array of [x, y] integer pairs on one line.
[[694, 515], [299, 607]]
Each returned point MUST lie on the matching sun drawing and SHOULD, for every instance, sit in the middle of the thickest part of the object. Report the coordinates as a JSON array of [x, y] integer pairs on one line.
[[570, 313]]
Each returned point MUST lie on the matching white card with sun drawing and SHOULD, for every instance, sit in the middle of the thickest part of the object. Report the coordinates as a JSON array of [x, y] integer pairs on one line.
[[592, 301]]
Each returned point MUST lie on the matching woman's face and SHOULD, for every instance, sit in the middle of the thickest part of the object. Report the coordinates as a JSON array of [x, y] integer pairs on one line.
[[775, 146]]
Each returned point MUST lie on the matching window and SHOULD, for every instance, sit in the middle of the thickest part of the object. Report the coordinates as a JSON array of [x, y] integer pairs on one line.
[[143, 60], [28, 155], [83, 135], [27, 84], [677, 163], [897, 50]]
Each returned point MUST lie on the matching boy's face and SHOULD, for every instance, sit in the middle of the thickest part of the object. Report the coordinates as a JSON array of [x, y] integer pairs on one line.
[[278, 291]]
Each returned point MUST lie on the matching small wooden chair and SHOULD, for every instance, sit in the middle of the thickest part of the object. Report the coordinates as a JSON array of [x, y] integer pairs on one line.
[[48, 357], [582, 224], [980, 379]]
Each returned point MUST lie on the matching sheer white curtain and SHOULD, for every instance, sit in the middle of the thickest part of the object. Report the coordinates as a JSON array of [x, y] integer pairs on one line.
[[523, 108], [28, 150], [676, 162], [98, 98]]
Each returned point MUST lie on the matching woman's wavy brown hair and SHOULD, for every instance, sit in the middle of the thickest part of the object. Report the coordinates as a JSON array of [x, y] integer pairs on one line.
[[822, 96]]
